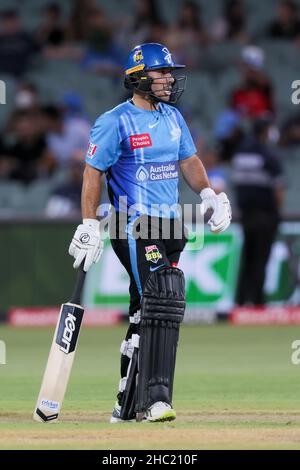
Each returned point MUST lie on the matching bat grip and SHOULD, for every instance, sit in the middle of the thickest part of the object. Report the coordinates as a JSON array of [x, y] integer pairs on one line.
[[76, 296]]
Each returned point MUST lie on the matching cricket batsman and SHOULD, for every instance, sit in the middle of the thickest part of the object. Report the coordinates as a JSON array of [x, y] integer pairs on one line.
[[140, 146]]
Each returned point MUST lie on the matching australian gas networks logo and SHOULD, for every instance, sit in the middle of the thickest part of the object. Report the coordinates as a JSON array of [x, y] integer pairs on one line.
[[157, 172]]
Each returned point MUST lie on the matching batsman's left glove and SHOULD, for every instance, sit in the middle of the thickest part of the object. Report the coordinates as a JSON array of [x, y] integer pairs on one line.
[[220, 205]]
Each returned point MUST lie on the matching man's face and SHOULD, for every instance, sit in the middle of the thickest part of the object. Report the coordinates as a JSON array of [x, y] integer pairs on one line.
[[162, 84]]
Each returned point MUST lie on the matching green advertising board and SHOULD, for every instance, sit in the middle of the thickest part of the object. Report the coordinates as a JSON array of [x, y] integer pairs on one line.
[[211, 272], [45, 276]]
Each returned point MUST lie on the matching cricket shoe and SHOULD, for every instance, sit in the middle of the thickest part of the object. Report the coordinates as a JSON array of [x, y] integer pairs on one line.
[[115, 416], [160, 411]]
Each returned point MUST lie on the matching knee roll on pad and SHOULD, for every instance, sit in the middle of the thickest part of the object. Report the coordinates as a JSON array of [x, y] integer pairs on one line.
[[162, 311]]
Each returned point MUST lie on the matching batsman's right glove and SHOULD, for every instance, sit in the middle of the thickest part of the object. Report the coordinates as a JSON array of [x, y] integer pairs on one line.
[[86, 244]]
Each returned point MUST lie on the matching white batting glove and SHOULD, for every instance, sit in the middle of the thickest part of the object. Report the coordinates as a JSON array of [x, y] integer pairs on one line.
[[86, 244], [219, 203]]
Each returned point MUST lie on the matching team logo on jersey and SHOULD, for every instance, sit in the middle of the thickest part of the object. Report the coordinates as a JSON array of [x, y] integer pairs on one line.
[[152, 253], [91, 150], [139, 141], [142, 174], [175, 133], [138, 56]]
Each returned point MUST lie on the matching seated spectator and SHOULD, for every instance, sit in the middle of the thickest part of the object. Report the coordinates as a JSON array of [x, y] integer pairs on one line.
[[215, 171], [232, 25], [254, 97], [139, 26], [228, 132], [196, 133], [17, 47], [78, 27], [27, 157], [290, 132], [65, 199], [53, 38], [64, 135], [51, 33], [4, 161], [73, 108], [157, 33], [287, 24], [187, 34], [26, 96], [190, 23], [102, 54]]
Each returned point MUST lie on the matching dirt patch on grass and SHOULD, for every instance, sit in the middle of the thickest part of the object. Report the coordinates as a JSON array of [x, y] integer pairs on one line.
[[192, 430], [190, 417], [154, 438]]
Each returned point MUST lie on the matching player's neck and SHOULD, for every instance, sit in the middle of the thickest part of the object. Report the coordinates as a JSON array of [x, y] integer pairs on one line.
[[141, 102]]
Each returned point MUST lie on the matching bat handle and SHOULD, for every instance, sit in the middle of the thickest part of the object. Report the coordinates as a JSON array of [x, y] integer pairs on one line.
[[76, 296]]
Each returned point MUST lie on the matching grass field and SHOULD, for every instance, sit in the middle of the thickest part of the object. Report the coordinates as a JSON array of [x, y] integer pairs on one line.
[[235, 388]]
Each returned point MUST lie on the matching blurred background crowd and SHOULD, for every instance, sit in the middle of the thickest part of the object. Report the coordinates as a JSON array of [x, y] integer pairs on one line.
[[62, 66], [62, 63]]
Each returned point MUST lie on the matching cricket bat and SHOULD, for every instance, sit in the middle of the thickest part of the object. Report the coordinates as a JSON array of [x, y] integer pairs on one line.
[[61, 356]]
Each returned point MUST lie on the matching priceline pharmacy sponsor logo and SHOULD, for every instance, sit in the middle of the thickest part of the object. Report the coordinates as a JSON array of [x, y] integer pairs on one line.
[[49, 404], [157, 172]]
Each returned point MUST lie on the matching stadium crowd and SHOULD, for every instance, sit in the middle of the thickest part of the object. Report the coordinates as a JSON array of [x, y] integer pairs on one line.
[[41, 138]]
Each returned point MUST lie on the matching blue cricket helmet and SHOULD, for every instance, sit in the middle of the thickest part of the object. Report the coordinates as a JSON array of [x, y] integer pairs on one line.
[[150, 56], [147, 57]]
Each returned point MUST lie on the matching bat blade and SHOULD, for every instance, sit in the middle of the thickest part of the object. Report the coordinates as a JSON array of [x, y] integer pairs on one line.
[[59, 365]]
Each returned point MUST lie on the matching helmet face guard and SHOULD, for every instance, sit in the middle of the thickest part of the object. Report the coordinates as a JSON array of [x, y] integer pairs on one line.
[[145, 58], [141, 83]]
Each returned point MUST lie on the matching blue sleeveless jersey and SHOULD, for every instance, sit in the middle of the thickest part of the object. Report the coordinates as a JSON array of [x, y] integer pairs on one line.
[[139, 151]]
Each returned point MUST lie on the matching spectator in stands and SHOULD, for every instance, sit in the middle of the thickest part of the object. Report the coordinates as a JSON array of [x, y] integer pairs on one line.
[[73, 107], [190, 23], [146, 17], [290, 132], [26, 96], [258, 179], [17, 47], [187, 34], [53, 37], [215, 171], [28, 157], [228, 133], [157, 33], [232, 25], [144, 24], [196, 133], [78, 27], [51, 33], [287, 24], [4, 160], [64, 135], [254, 97], [65, 199], [102, 54]]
